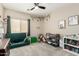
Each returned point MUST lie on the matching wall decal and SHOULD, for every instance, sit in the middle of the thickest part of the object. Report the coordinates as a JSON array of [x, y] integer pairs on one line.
[[62, 24]]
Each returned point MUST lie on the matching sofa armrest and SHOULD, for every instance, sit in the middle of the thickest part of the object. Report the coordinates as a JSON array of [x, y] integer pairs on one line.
[[26, 39]]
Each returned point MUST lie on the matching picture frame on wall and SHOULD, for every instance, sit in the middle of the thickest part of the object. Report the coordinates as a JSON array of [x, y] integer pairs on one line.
[[62, 24], [73, 20]]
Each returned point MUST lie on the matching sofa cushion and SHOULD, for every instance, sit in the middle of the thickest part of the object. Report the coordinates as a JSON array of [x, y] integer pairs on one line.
[[19, 44]]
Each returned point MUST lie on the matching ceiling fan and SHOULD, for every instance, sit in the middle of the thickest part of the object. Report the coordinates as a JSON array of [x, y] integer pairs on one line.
[[36, 6]]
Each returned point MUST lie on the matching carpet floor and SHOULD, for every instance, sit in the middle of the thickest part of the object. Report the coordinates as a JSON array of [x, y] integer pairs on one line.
[[39, 49]]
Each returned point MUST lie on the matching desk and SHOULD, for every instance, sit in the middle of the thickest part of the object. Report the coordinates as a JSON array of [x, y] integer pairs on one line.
[[4, 47]]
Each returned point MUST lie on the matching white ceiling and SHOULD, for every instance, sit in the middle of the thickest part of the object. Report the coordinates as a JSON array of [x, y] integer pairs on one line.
[[22, 7]]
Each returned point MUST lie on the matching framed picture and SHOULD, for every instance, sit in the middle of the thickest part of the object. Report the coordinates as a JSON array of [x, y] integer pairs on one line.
[[62, 24], [73, 20]]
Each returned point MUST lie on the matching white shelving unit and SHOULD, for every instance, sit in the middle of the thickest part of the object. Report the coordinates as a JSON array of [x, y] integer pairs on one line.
[[71, 45]]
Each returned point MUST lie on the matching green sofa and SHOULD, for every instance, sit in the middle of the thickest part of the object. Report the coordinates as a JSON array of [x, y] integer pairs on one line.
[[18, 39]]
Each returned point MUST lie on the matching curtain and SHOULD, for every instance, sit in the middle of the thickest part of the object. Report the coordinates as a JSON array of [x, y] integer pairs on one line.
[[8, 27], [28, 27]]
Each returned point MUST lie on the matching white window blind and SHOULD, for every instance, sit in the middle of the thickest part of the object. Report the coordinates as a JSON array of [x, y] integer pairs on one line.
[[24, 27], [18, 25]]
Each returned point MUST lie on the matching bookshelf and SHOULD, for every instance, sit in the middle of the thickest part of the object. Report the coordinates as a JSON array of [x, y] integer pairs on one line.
[[71, 44]]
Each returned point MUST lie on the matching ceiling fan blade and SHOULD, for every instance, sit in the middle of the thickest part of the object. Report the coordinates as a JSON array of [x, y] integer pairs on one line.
[[36, 4], [42, 7], [32, 8]]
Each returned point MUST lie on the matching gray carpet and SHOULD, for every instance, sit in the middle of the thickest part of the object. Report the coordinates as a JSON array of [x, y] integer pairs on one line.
[[39, 49]]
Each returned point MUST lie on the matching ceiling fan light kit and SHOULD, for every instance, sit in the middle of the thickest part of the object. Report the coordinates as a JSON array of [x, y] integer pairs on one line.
[[36, 6]]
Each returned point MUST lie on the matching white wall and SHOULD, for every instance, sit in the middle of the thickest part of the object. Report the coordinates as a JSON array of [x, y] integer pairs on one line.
[[16, 14], [1, 20], [62, 13], [36, 26], [1, 12]]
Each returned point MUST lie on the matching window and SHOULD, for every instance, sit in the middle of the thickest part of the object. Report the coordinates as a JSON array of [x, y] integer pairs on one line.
[[18, 26], [24, 27]]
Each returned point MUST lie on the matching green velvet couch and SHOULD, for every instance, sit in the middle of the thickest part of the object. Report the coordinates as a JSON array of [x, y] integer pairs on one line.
[[18, 39]]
